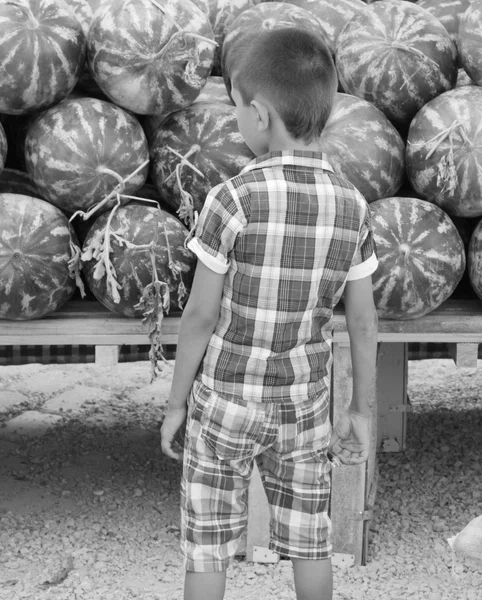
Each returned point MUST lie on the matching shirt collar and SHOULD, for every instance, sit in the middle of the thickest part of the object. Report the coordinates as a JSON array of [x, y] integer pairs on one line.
[[299, 158]]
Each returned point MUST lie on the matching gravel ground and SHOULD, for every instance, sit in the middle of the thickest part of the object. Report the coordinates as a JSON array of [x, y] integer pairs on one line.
[[89, 505]]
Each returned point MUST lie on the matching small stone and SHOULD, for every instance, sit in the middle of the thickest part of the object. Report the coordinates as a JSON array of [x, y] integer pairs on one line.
[[98, 492], [86, 584], [438, 526], [138, 493]]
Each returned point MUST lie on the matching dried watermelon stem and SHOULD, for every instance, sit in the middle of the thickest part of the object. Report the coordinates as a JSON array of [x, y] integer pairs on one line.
[[435, 142], [25, 8], [420, 57], [155, 202], [114, 193], [155, 301], [181, 30], [110, 272], [75, 266], [447, 177], [186, 208]]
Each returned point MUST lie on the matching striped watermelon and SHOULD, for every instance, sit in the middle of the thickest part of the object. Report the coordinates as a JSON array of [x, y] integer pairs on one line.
[[364, 147], [207, 136], [470, 41], [333, 15], [474, 260], [221, 15], [421, 257], [397, 56], [78, 151], [213, 91], [3, 147], [139, 225], [35, 240], [444, 151], [463, 79], [83, 12], [264, 16], [42, 54], [448, 12], [151, 57], [13, 181]]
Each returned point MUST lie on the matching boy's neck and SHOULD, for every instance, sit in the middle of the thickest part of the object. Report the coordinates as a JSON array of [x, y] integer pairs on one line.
[[283, 142]]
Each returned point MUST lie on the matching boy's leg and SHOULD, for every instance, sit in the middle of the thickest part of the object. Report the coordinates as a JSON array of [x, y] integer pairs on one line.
[[204, 586], [297, 481], [218, 462], [313, 579]]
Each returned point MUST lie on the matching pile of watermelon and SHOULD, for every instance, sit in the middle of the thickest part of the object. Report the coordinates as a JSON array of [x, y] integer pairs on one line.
[[116, 120]]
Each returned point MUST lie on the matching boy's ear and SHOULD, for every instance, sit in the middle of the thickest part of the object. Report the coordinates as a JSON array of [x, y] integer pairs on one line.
[[261, 114]]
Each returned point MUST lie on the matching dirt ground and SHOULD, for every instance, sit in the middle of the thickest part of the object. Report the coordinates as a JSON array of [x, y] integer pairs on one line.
[[89, 507]]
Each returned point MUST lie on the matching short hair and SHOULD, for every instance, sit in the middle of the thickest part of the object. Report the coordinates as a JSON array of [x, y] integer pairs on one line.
[[294, 70]]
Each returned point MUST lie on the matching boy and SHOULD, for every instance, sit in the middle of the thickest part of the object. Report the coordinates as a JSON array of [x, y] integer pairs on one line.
[[276, 246]]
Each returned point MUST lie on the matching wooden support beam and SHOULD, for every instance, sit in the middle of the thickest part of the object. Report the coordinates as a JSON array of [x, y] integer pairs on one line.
[[392, 400], [348, 493], [107, 356], [464, 355]]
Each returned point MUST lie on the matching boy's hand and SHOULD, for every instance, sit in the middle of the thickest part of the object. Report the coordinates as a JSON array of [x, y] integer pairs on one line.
[[172, 423], [350, 440]]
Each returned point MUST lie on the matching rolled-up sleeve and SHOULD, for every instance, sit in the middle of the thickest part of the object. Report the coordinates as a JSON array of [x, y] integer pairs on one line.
[[220, 222], [365, 260]]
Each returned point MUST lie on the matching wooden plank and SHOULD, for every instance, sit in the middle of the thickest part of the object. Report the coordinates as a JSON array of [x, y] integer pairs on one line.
[[392, 373], [456, 320], [464, 355], [86, 323], [107, 356], [348, 481]]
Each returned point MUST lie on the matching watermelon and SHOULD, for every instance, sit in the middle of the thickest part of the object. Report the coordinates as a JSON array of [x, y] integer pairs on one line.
[[474, 259], [3, 147], [397, 56], [444, 151], [221, 15], [137, 225], [364, 147], [42, 54], [333, 15], [448, 12], [264, 16], [151, 57], [213, 91], [470, 41], [83, 12], [421, 257], [35, 254], [207, 136], [79, 151], [18, 182], [463, 79]]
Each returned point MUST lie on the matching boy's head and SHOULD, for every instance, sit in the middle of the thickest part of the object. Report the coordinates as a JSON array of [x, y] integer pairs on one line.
[[286, 75]]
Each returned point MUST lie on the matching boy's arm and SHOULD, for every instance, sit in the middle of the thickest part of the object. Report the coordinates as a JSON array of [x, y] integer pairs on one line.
[[198, 321], [351, 433], [362, 325]]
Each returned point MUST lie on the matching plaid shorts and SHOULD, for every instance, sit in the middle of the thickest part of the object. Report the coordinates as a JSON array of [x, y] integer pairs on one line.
[[222, 441]]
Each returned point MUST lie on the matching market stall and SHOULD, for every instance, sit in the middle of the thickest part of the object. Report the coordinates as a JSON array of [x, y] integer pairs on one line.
[[110, 142]]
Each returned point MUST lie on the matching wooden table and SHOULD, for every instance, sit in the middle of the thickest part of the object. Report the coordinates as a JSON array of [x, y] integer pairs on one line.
[[458, 323]]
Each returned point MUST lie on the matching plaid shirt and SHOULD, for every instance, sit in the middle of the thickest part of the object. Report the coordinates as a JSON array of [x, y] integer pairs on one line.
[[288, 233]]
